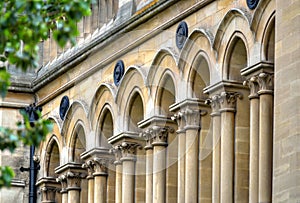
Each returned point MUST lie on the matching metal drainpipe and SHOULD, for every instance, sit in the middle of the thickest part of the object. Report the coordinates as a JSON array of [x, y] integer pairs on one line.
[[34, 166]]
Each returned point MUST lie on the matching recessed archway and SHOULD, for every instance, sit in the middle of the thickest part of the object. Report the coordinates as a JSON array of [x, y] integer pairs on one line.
[[200, 78], [166, 95], [78, 144], [136, 112], [52, 158], [106, 128], [237, 60]]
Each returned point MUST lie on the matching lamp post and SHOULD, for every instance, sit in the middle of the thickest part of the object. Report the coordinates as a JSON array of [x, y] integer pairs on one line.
[[34, 166]]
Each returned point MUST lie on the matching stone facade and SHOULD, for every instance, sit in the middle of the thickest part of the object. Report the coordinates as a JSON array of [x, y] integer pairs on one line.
[[213, 120]]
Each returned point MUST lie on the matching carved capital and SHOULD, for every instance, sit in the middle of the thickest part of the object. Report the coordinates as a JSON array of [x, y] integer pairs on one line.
[[148, 138], [70, 180], [101, 165], [118, 154], [180, 119], [193, 118], [228, 100], [128, 150], [252, 83], [160, 135], [62, 179], [90, 166], [266, 83], [214, 102], [48, 193]]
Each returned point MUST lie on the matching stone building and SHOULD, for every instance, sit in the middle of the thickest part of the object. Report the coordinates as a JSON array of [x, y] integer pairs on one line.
[[168, 101]]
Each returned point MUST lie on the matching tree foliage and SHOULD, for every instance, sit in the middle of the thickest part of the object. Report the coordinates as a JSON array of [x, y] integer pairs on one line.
[[23, 26]]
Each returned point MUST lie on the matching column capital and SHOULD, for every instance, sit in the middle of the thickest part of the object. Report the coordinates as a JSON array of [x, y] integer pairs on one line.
[[160, 135], [48, 193], [90, 166], [62, 179], [193, 118], [266, 83], [148, 138], [101, 165], [181, 122], [128, 150], [253, 85], [228, 101], [71, 180], [214, 102]]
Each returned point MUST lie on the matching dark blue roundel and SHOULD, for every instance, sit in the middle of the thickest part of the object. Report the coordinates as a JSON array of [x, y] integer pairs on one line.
[[118, 72], [181, 34], [252, 4], [64, 106]]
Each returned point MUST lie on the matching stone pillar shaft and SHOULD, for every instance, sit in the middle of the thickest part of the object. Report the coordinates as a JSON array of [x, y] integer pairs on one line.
[[100, 188], [159, 173], [90, 189], [128, 180], [191, 165], [254, 135], [227, 110], [181, 166], [227, 156], [265, 147], [118, 188], [74, 195], [149, 176], [216, 119], [254, 139], [64, 197], [265, 81]]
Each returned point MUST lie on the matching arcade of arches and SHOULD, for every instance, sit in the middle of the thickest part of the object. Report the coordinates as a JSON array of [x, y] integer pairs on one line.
[[190, 124]]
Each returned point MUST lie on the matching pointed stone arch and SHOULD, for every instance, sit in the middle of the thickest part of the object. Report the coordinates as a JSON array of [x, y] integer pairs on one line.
[[235, 22], [236, 58], [165, 94], [77, 143], [105, 96], [198, 76], [105, 126], [131, 85], [52, 157]]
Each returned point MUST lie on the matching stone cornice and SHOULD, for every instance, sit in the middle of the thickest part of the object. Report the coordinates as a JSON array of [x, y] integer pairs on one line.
[[81, 53], [263, 66], [125, 137], [224, 86]]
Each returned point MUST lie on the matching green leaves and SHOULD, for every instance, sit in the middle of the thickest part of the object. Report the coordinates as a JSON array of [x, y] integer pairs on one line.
[[6, 176], [24, 24], [4, 82], [33, 133]]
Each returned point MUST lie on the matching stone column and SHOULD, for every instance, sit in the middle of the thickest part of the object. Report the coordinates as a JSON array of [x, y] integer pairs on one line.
[[118, 164], [216, 160], [192, 151], [128, 160], [62, 179], [227, 110], [89, 165], [48, 194], [180, 119], [254, 139], [149, 166], [100, 175], [74, 186], [265, 81], [160, 139]]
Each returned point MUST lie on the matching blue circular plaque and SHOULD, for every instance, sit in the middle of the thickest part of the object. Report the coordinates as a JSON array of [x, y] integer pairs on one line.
[[181, 34], [118, 72], [64, 106], [252, 4]]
